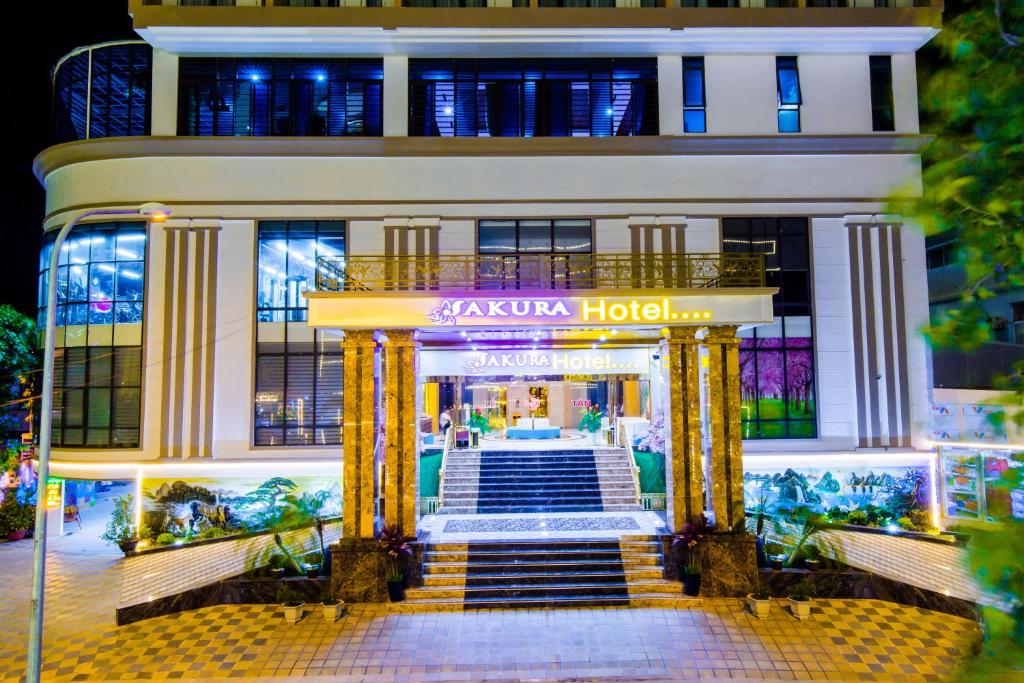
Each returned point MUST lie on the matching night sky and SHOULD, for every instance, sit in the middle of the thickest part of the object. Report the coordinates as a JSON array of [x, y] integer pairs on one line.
[[42, 32]]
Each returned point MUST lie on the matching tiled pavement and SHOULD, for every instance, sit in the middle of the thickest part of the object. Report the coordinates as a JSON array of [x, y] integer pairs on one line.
[[844, 640]]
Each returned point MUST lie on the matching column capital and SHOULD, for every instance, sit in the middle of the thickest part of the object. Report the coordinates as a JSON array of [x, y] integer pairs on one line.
[[359, 339], [680, 335], [722, 334], [393, 338]]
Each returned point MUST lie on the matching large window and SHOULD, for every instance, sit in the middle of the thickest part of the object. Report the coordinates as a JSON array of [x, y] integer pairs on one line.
[[524, 254], [98, 363], [102, 91], [224, 96], [299, 377], [777, 360], [533, 97], [882, 116], [694, 115], [787, 82]]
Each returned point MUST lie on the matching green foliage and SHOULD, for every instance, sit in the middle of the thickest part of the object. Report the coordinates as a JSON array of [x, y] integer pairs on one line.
[[121, 527], [19, 363], [905, 523], [974, 169], [477, 420], [802, 590], [774, 549], [691, 569], [165, 539], [857, 517], [590, 419], [211, 533], [16, 515]]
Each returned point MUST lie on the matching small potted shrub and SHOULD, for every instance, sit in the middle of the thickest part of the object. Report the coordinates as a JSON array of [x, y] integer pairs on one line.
[[311, 565], [590, 421], [812, 558], [292, 604], [691, 580], [395, 548], [800, 599], [276, 566], [686, 541], [759, 602], [333, 607], [16, 518], [121, 529], [776, 553]]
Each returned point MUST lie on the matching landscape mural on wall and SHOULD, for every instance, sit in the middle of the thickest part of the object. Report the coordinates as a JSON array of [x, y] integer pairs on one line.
[[867, 496], [205, 507]]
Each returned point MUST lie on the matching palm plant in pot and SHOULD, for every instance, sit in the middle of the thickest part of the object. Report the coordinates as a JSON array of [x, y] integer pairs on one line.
[[122, 529], [776, 553], [686, 542], [292, 604], [16, 518], [396, 550], [800, 594]]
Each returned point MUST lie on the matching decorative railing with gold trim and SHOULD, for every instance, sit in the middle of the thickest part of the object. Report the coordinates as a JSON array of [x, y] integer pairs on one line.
[[540, 271]]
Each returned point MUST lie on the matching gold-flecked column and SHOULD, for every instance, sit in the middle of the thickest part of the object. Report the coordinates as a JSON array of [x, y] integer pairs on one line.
[[401, 431], [358, 433], [683, 472], [726, 437]]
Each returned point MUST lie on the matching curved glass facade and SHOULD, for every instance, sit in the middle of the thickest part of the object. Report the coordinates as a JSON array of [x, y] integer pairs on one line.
[[102, 91], [101, 277]]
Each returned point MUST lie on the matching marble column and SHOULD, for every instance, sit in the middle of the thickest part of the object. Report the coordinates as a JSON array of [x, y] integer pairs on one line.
[[401, 413], [726, 437], [684, 478], [359, 432]]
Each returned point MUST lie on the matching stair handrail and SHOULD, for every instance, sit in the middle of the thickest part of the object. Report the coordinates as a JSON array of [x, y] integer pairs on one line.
[[627, 443], [449, 438]]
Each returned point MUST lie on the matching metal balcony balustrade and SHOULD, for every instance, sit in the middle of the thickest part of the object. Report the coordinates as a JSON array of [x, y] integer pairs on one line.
[[664, 4], [540, 272]]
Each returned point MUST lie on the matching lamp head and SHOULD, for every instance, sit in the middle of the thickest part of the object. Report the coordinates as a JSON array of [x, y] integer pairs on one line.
[[154, 211]]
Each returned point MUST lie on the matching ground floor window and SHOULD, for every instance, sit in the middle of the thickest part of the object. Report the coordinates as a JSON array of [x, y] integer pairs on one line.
[[97, 396]]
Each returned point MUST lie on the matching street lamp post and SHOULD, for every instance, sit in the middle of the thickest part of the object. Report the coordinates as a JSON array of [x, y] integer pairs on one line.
[[154, 212]]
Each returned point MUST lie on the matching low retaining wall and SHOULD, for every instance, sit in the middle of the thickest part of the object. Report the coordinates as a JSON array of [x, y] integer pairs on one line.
[[178, 578]]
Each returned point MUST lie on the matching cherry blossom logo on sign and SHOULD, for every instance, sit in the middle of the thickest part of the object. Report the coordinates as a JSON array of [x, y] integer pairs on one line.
[[449, 311]]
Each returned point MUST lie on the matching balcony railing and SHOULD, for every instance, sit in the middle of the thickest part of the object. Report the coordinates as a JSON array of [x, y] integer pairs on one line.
[[540, 271], [713, 4]]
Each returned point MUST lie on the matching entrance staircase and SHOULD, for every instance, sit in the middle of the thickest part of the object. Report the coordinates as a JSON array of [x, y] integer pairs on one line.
[[625, 572], [508, 481]]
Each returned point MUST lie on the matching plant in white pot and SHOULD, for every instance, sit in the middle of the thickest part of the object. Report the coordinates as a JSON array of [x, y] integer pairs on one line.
[[292, 604], [800, 594], [332, 606], [590, 421], [759, 602], [122, 529]]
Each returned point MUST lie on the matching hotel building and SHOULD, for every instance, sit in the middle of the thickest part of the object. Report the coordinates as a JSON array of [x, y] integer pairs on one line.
[[392, 214]]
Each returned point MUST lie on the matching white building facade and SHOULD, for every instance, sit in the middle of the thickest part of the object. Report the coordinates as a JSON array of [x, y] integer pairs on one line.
[[283, 137]]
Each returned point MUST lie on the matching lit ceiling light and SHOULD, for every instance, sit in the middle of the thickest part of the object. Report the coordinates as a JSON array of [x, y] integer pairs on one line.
[[448, 111]]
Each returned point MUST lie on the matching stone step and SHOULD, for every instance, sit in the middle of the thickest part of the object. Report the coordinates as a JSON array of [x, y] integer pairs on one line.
[[634, 600], [541, 574], [501, 560], [511, 509], [511, 546], [472, 477]]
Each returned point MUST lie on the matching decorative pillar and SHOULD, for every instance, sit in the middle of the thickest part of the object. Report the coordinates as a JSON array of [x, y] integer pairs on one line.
[[359, 432], [401, 414], [726, 437], [683, 474]]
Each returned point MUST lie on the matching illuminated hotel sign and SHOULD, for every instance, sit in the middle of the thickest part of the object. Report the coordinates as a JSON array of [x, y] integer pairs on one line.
[[528, 362], [417, 309]]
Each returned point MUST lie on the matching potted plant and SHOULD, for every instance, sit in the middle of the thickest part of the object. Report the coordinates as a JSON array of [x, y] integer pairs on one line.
[[16, 518], [800, 595], [276, 566], [333, 607], [122, 529], [776, 553], [686, 542], [312, 565], [395, 548], [292, 604], [590, 421], [812, 557], [759, 602]]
